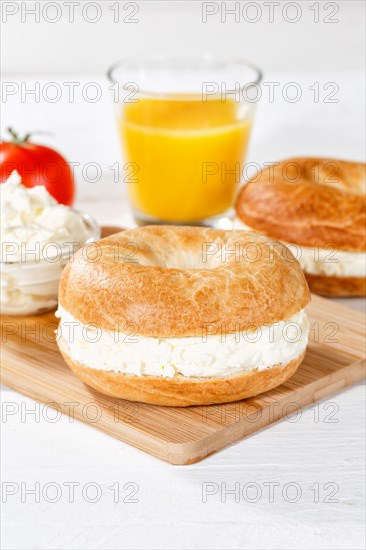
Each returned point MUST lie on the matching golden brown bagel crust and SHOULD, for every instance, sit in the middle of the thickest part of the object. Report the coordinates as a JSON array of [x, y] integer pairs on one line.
[[153, 280], [181, 391], [336, 286], [308, 201]]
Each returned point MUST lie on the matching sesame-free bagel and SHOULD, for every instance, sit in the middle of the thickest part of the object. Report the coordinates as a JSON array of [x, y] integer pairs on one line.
[[172, 281], [316, 203], [308, 201]]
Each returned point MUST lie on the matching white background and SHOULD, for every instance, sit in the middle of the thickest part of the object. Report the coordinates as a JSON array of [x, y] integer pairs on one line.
[[314, 449], [178, 27]]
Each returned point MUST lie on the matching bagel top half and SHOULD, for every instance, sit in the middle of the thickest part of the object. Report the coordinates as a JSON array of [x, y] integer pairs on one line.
[[168, 281], [308, 201]]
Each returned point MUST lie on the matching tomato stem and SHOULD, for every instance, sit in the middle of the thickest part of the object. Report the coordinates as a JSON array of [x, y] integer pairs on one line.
[[16, 139]]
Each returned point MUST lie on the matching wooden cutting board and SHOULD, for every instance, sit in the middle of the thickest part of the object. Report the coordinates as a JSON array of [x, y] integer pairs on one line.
[[32, 365]]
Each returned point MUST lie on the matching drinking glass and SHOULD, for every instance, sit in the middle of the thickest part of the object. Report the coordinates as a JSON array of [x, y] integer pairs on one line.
[[184, 125]]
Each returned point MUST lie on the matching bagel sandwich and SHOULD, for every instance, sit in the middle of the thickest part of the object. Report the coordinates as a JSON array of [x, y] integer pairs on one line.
[[317, 207], [181, 316]]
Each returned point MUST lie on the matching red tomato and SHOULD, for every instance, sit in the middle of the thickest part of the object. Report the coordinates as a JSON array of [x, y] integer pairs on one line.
[[37, 165]]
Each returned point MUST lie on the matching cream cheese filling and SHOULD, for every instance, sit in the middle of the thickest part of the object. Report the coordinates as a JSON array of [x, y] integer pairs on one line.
[[322, 261], [203, 356]]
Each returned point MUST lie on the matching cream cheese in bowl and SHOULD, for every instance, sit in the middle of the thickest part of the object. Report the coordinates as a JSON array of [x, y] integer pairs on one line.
[[38, 237]]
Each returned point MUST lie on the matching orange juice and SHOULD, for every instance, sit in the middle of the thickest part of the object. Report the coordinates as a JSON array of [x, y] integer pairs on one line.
[[186, 156]]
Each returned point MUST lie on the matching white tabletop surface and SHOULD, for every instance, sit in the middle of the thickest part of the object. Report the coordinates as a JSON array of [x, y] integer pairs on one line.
[[306, 474]]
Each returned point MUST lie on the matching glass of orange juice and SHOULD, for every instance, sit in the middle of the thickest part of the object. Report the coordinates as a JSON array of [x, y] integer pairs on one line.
[[184, 125]]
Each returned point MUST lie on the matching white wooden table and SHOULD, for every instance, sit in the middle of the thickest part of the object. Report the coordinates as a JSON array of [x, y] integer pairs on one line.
[[297, 485]]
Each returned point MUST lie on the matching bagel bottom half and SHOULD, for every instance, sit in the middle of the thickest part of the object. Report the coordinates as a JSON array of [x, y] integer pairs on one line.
[[181, 391], [321, 282], [329, 285]]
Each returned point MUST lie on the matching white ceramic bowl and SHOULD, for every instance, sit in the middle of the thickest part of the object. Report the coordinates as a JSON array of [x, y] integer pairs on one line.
[[31, 287]]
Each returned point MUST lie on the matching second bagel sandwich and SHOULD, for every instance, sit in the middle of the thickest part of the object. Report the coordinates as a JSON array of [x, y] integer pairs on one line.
[[318, 207], [183, 315]]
